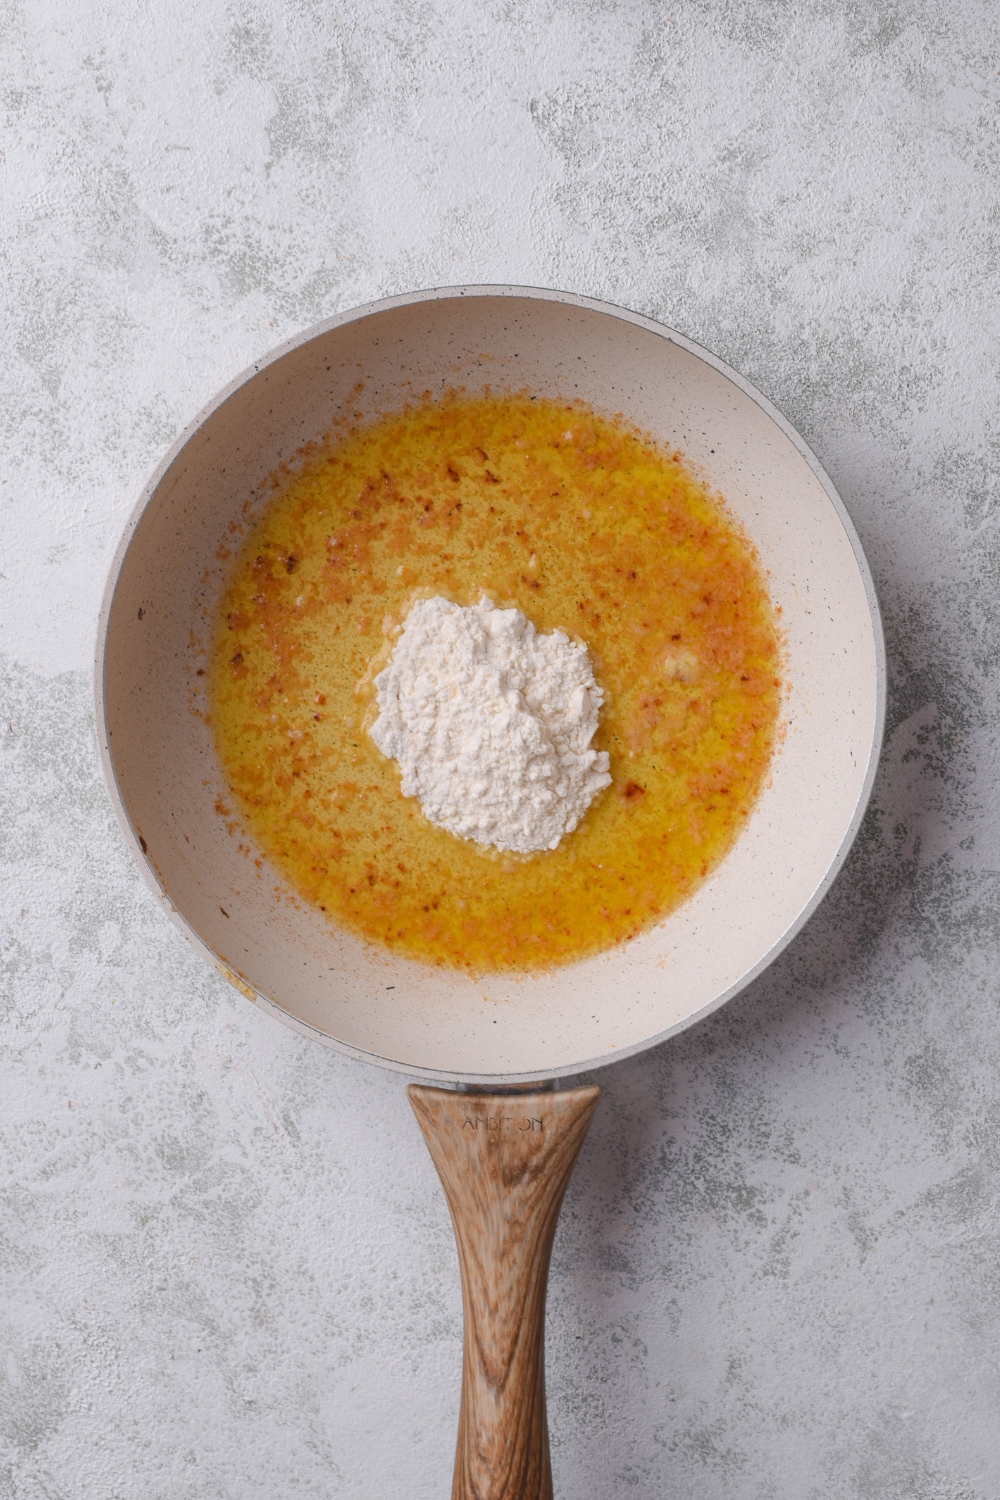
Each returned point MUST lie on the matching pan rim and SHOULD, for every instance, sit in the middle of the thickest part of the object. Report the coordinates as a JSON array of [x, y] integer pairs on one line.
[[569, 299]]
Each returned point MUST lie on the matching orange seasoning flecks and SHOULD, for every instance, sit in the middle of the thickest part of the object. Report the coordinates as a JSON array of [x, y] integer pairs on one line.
[[585, 526]]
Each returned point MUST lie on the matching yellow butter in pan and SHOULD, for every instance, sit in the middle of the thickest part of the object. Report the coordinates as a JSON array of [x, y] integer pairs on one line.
[[585, 527]]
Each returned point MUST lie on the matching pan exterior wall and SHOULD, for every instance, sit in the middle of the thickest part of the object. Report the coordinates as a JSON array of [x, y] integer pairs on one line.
[[226, 1268]]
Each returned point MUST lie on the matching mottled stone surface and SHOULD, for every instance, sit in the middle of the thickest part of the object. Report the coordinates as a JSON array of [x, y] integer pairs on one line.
[[225, 1265]]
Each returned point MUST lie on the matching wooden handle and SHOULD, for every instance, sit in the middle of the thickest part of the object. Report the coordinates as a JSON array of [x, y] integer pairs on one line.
[[504, 1162]]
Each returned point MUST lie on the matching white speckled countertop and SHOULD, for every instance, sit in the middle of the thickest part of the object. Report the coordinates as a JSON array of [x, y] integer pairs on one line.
[[226, 1268]]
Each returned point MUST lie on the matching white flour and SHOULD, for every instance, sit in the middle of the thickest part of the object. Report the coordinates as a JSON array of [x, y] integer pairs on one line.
[[491, 724]]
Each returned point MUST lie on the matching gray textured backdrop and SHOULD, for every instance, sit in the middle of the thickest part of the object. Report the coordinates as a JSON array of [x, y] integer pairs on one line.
[[226, 1267]]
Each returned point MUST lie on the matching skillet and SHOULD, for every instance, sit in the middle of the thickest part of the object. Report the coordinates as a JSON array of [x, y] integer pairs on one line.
[[501, 1035]]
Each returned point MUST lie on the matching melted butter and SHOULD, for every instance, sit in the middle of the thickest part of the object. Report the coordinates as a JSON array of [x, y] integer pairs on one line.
[[585, 526]]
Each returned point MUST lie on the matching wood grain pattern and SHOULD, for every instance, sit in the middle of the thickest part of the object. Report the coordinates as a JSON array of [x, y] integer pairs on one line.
[[504, 1162]]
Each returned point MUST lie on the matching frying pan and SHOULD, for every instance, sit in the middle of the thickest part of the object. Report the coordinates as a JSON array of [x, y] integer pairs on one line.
[[504, 1162]]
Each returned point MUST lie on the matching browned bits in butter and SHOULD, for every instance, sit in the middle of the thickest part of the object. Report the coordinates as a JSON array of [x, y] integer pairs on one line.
[[585, 526]]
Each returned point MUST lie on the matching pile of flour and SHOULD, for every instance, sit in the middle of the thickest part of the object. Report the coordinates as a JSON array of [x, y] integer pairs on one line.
[[491, 724]]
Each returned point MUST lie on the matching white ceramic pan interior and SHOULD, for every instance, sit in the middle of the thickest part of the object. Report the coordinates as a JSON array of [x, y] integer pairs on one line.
[[165, 780]]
